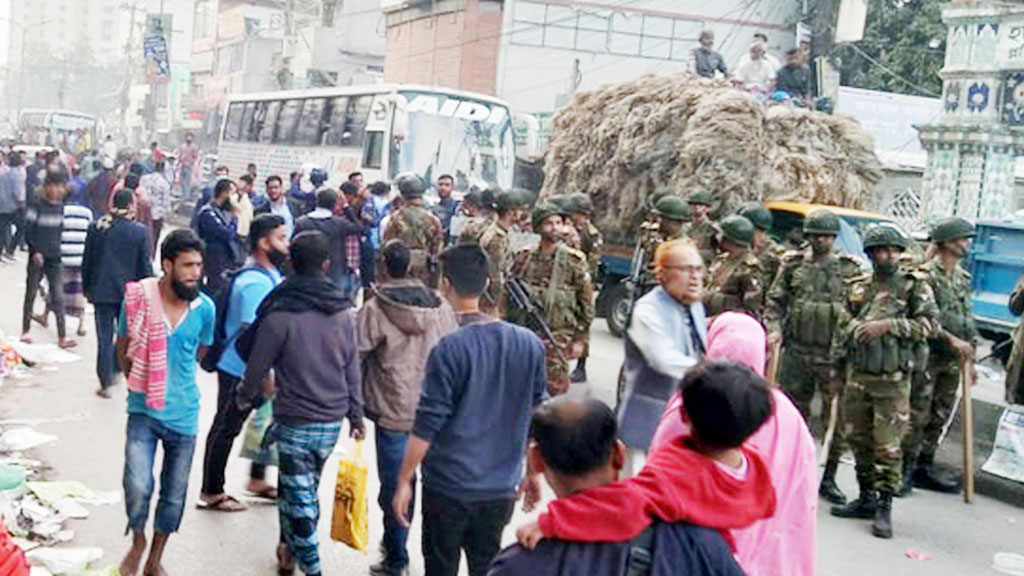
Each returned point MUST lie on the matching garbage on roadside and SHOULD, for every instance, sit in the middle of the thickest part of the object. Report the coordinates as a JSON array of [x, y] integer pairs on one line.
[[1007, 458], [49, 353], [21, 439], [914, 554], [1008, 563], [70, 561], [11, 476]]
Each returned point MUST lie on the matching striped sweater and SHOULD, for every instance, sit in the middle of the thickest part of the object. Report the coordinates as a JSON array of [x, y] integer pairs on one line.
[[72, 239], [44, 223]]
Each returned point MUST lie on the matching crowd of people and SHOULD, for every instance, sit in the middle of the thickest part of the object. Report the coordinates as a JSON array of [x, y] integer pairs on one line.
[[758, 70], [454, 327]]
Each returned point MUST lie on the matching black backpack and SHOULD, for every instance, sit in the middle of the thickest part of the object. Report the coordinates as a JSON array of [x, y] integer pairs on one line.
[[220, 338]]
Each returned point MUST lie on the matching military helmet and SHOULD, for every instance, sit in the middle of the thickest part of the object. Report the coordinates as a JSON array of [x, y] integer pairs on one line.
[[411, 185], [880, 235], [542, 211], [488, 197], [507, 200], [562, 202], [672, 207], [701, 197], [737, 229], [821, 221], [952, 228], [317, 177], [580, 203], [758, 215]]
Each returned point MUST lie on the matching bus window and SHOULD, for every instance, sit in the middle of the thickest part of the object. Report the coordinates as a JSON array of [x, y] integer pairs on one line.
[[374, 150], [356, 116], [286, 121], [233, 125], [311, 122], [248, 133], [336, 121], [265, 120]]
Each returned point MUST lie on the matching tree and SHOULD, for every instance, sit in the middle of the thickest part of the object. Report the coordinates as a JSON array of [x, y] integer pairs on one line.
[[906, 41]]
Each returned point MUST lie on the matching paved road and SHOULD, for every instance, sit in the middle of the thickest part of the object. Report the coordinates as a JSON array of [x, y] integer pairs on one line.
[[961, 539]]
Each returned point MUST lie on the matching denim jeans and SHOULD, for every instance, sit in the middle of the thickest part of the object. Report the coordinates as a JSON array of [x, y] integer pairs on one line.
[[144, 433], [53, 271], [106, 358], [348, 284], [390, 452]]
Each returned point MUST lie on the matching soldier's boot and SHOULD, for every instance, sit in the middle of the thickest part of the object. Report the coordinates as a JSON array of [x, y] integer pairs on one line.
[[579, 375], [828, 488], [863, 507], [927, 478], [906, 480], [882, 526]]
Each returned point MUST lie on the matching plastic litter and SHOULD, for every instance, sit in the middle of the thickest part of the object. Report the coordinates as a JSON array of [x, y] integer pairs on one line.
[[50, 492], [917, 554], [21, 439], [11, 477], [1008, 563], [64, 560], [70, 508], [33, 354]]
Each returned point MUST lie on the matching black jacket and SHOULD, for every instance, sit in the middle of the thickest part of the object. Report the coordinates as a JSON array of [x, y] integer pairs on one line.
[[113, 258], [337, 229]]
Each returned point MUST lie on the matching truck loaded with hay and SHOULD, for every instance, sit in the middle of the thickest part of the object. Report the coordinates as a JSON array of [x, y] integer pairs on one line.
[[620, 143]]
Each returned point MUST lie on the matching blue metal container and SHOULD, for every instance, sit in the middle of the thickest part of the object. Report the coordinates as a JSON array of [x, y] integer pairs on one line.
[[996, 263]]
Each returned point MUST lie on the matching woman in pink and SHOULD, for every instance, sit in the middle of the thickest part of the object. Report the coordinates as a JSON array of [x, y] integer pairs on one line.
[[784, 544]]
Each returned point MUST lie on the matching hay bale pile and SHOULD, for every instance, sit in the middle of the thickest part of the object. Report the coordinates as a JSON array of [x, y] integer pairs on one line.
[[622, 142]]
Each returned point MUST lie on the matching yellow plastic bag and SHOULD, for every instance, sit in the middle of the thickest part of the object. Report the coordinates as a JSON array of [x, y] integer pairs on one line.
[[351, 521]]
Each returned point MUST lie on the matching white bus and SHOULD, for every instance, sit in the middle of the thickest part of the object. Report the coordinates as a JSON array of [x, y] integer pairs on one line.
[[380, 130], [58, 127]]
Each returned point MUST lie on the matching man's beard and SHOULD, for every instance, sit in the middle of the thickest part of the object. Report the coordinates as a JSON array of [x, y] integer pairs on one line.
[[278, 259], [184, 291], [552, 236], [887, 269]]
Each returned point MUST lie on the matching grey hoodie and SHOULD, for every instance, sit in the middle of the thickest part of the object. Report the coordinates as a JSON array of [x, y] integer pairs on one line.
[[395, 331]]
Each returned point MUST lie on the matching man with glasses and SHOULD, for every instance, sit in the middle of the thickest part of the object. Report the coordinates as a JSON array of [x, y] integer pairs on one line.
[[667, 336]]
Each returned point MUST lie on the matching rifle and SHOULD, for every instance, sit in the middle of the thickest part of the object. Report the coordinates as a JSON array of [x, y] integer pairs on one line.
[[521, 299], [636, 271]]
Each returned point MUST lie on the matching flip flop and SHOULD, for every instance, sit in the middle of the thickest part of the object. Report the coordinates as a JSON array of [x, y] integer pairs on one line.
[[269, 493], [225, 503]]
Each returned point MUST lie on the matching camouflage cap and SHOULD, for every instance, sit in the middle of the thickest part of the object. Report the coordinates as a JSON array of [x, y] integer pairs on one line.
[[542, 211], [758, 215], [737, 229], [884, 236], [672, 207], [821, 222], [701, 197], [951, 229]]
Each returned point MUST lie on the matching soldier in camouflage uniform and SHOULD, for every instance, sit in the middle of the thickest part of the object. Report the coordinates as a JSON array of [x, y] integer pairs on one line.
[[558, 282], [767, 250], [888, 311], [932, 398], [734, 280], [704, 232], [669, 214], [803, 307], [571, 236], [479, 224], [418, 229], [495, 242], [591, 241]]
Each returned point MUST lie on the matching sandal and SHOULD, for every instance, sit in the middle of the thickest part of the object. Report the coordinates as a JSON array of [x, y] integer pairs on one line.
[[268, 493], [285, 562], [225, 503]]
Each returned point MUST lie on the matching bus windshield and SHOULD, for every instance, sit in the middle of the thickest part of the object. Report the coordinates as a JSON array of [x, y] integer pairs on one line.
[[469, 139]]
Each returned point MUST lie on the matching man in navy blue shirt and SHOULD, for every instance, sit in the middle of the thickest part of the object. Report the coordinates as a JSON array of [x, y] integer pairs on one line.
[[481, 385], [573, 444]]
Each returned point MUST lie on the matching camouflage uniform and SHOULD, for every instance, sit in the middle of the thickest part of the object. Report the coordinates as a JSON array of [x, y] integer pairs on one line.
[[495, 242], [421, 232], [591, 243], [705, 235], [734, 282], [476, 227], [934, 396], [878, 386], [770, 255], [804, 304], [559, 284]]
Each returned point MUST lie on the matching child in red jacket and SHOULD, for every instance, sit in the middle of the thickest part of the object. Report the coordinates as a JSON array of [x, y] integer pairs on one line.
[[708, 478]]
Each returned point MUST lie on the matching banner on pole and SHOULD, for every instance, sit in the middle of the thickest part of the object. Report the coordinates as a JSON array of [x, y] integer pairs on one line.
[[158, 66]]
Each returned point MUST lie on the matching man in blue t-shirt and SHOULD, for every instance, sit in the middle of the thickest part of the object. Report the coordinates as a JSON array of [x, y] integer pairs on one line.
[[268, 242], [480, 387], [189, 317]]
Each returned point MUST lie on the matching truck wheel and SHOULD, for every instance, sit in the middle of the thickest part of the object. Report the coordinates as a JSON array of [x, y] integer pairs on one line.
[[618, 310]]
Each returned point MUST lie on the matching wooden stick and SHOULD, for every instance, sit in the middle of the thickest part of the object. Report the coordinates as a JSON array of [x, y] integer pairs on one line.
[[773, 363], [830, 432], [967, 421]]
